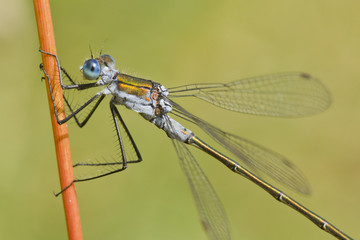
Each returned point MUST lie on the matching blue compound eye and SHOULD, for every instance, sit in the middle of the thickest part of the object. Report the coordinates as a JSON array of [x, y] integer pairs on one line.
[[91, 69], [108, 60]]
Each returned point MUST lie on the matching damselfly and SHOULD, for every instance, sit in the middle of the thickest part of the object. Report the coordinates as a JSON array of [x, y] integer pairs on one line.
[[285, 95]]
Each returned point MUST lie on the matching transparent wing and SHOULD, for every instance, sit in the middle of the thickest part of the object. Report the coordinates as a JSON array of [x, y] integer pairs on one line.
[[211, 210], [257, 157], [254, 156], [282, 95]]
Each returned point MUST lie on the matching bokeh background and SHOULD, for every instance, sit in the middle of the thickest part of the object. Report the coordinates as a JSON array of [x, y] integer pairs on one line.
[[175, 43]]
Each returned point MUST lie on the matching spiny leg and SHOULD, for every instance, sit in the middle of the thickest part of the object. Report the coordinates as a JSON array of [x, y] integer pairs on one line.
[[73, 86], [122, 133], [88, 116]]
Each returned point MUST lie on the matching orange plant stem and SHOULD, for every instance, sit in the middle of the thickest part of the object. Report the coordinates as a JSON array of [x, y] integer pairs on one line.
[[62, 144]]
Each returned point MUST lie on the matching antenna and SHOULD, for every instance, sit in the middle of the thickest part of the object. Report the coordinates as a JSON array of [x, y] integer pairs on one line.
[[92, 56]]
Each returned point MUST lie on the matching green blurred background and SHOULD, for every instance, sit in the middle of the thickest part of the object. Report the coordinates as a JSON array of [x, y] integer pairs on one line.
[[175, 43]]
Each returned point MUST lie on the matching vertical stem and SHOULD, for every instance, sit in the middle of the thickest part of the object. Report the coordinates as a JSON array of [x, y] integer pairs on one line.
[[62, 144]]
